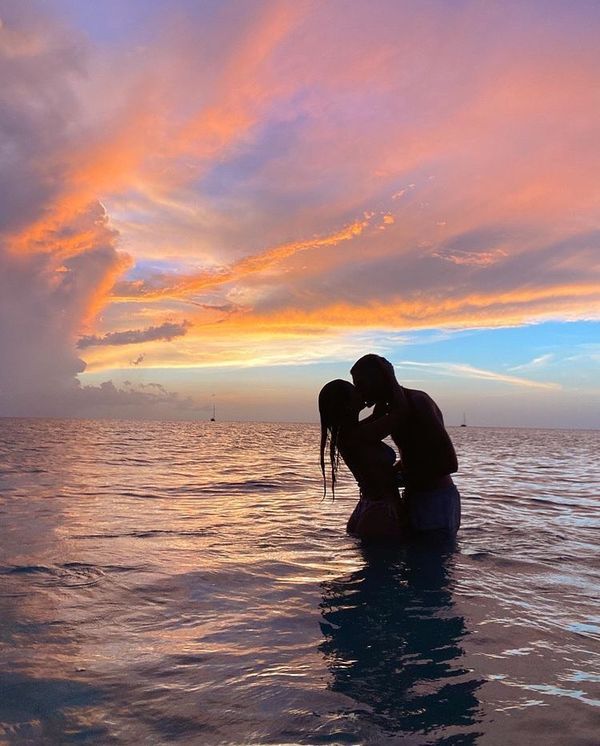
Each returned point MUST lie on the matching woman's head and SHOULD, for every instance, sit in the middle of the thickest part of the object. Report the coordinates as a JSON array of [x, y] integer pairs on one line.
[[339, 403]]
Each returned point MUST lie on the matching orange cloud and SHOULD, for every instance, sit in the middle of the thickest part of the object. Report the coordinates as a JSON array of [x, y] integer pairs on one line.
[[132, 148], [336, 330], [243, 85], [471, 310], [182, 287]]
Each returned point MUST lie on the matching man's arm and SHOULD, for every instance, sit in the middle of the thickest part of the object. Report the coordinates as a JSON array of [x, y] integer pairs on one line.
[[431, 422]]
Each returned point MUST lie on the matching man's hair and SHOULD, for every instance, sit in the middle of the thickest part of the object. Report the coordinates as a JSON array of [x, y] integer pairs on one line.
[[367, 361]]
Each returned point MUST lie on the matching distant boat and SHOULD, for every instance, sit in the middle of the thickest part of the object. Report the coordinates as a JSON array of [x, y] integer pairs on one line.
[[464, 422], [214, 415]]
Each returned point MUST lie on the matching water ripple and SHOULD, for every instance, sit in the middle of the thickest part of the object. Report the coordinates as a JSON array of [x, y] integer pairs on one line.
[[185, 582]]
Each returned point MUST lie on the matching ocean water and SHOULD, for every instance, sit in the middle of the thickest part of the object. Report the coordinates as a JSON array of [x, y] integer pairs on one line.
[[185, 583]]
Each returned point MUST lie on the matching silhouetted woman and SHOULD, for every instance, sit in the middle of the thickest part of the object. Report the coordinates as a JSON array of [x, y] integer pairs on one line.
[[380, 512]]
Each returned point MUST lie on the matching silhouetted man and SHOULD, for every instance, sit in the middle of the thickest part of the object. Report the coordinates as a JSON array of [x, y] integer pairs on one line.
[[427, 456]]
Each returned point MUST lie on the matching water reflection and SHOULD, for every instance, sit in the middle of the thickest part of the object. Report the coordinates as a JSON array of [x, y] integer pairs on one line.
[[393, 643], [36, 710]]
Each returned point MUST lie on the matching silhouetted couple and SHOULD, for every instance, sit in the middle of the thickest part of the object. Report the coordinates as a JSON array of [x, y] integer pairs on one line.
[[430, 503]]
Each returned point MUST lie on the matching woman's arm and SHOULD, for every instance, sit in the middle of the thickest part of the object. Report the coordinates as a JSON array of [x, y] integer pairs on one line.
[[373, 430], [379, 410]]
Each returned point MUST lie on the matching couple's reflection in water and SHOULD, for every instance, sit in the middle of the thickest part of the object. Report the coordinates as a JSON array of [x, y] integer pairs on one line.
[[393, 644]]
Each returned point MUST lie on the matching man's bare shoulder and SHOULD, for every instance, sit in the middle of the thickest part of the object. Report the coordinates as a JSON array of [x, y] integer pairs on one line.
[[422, 402], [418, 397]]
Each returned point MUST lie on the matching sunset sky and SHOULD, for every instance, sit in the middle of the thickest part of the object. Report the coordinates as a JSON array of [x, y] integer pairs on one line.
[[229, 201]]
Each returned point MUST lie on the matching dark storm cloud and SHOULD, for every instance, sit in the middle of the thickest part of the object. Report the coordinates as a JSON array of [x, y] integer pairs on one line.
[[166, 331]]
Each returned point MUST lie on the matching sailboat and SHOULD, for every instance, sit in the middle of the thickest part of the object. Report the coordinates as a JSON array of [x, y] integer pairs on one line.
[[464, 422], [214, 414]]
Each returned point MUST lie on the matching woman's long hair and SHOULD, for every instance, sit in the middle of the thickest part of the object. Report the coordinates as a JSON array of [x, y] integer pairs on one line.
[[334, 399]]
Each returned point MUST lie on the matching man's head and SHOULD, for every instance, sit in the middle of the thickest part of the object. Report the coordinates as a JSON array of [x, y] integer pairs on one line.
[[369, 376]]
